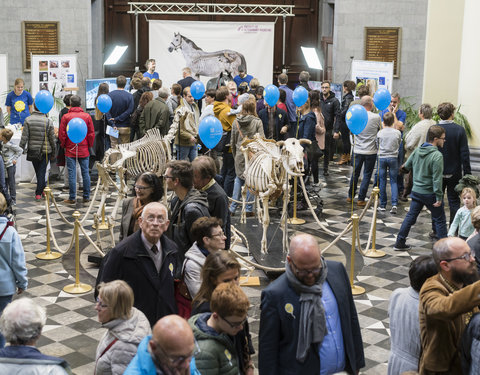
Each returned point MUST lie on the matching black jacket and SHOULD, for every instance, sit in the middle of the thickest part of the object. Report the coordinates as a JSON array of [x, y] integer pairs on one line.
[[469, 346], [186, 82], [279, 329], [455, 150], [184, 213], [281, 120], [218, 207], [340, 119], [153, 291], [330, 109]]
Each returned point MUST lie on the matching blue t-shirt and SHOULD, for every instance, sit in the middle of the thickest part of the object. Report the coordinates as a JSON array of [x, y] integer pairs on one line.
[[19, 116], [151, 76], [238, 80], [401, 115]]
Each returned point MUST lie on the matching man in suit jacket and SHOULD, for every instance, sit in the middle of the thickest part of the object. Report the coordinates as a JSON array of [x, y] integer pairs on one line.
[[308, 322], [146, 260]]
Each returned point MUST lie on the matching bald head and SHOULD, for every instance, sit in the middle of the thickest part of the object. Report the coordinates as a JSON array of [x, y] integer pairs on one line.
[[304, 246], [173, 331], [367, 102]]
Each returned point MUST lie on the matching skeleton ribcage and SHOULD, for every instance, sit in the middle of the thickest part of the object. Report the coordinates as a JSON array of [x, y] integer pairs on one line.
[[260, 173]]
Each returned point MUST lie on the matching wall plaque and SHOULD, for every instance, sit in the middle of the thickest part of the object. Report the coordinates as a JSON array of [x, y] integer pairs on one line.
[[383, 44], [39, 38]]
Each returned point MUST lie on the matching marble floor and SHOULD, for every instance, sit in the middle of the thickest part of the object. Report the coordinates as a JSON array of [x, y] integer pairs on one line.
[[72, 330]]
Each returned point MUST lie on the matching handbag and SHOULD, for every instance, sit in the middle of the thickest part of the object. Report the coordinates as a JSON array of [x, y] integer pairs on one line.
[[183, 297], [313, 151]]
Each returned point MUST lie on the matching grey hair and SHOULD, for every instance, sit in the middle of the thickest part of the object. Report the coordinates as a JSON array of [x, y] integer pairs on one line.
[[304, 76], [22, 321], [426, 110], [152, 204], [163, 92], [396, 95], [441, 250]]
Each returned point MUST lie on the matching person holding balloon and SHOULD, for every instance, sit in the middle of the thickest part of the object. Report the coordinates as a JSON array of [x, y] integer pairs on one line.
[[76, 135], [340, 127], [19, 103], [38, 140]]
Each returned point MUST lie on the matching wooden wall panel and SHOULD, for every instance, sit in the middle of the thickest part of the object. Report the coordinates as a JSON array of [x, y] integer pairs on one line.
[[300, 30]]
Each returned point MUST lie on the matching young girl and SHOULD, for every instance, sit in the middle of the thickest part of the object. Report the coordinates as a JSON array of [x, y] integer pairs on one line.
[[462, 219]]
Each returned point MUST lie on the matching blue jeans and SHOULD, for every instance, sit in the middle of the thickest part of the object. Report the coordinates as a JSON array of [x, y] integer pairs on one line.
[[438, 216], [186, 152], [237, 195], [4, 301], [360, 160], [11, 182], [392, 165], [40, 167], [72, 177]]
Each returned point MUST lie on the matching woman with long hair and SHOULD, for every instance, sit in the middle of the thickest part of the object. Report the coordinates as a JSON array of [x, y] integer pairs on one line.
[[174, 100], [222, 267], [148, 188], [245, 126], [146, 98], [101, 143]]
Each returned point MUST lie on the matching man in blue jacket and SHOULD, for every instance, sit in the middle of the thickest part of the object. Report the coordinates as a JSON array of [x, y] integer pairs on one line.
[[169, 350], [308, 322], [119, 115]]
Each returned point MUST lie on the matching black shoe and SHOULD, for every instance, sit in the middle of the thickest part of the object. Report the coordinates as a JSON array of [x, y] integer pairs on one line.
[[402, 247], [433, 235], [325, 172], [403, 198]]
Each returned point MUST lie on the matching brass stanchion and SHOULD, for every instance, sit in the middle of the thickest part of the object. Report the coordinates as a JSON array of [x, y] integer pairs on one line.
[[103, 225], [48, 254], [356, 290], [78, 287], [295, 220], [373, 252]]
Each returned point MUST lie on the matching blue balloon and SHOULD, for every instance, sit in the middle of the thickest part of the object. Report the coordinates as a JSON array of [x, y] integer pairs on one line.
[[197, 89], [271, 95], [44, 101], [300, 96], [382, 99], [356, 118], [76, 130], [210, 131], [104, 103]]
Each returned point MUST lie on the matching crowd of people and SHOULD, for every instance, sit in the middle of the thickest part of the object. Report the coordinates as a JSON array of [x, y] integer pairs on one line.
[[168, 293]]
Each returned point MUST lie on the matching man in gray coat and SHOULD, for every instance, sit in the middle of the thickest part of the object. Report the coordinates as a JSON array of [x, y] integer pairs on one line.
[[365, 153]]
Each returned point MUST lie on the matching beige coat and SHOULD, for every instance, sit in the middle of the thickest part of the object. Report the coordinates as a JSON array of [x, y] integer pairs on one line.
[[320, 128]]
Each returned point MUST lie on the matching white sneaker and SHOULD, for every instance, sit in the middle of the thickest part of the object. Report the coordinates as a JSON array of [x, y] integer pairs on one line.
[[393, 211], [380, 209]]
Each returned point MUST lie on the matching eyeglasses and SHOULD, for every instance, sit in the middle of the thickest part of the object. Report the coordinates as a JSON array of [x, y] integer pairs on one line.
[[303, 273], [176, 361], [466, 256], [221, 234], [99, 303], [234, 325], [140, 187], [153, 219]]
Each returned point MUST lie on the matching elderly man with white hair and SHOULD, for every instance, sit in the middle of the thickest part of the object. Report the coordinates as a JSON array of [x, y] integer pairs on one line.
[[21, 323]]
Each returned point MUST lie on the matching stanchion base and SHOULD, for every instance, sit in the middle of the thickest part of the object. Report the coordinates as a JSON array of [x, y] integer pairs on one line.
[[296, 221], [77, 288], [49, 256], [374, 253], [101, 226], [357, 290]]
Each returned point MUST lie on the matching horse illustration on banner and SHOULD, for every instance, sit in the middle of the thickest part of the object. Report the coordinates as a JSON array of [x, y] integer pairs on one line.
[[208, 64]]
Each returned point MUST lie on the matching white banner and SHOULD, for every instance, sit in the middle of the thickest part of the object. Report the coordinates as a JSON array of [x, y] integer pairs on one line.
[[374, 74], [209, 48]]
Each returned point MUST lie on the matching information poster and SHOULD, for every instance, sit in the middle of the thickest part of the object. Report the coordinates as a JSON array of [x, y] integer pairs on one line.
[[55, 73], [374, 74], [211, 48]]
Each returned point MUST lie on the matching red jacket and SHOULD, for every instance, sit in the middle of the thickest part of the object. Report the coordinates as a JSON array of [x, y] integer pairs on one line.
[[70, 147]]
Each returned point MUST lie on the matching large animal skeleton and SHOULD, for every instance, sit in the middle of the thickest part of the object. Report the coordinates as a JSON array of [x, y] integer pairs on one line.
[[268, 165], [150, 153]]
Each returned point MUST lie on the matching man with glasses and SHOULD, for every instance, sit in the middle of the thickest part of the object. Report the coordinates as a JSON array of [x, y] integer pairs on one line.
[[447, 302], [308, 322], [426, 164], [168, 351], [146, 260], [215, 331], [330, 110], [187, 205]]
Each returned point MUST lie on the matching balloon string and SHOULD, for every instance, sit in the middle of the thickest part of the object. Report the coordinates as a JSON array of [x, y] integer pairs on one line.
[[353, 172]]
